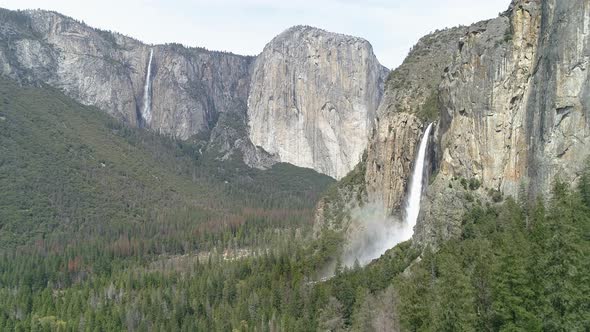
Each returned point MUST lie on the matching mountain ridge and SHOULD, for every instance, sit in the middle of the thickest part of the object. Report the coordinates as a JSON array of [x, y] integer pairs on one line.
[[108, 70]]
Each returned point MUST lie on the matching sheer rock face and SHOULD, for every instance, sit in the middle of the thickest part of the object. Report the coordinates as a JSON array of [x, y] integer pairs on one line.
[[189, 87], [411, 92], [511, 97], [313, 99], [558, 107], [191, 90], [515, 107], [484, 97], [389, 157]]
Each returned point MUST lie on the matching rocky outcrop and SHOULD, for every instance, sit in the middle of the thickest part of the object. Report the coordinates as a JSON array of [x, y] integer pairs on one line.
[[313, 99], [514, 110], [312, 102], [511, 100], [190, 87], [410, 101]]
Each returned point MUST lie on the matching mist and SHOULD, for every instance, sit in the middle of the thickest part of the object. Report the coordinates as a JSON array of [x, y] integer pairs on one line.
[[372, 233]]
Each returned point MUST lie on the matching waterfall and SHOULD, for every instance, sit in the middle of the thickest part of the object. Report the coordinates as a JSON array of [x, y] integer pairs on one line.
[[380, 231], [413, 201], [147, 102]]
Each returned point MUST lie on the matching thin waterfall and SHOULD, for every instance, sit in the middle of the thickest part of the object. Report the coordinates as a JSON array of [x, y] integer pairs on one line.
[[147, 97], [413, 202]]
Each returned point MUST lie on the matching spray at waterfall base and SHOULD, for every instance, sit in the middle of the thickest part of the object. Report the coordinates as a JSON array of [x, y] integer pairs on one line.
[[373, 230]]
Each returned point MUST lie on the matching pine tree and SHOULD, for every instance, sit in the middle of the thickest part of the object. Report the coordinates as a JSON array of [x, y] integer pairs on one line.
[[330, 317], [454, 307]]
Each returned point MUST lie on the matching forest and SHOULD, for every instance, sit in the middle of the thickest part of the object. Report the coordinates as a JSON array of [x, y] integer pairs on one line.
[[104, 227]]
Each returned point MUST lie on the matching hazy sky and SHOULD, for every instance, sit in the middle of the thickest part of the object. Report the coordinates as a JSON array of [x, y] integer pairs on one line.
[[245, 26]]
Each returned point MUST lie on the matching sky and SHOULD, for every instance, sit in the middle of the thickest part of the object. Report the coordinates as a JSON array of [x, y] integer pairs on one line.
[[245, 26]]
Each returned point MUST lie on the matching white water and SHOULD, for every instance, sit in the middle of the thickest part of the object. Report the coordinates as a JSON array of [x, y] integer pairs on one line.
[[147, 102], [413, 202], [376, 230]]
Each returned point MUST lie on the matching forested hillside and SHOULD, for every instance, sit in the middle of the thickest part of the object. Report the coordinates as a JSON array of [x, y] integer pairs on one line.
[[139, 212], [84, 197], [516, 267], [104, 227], [69, 173]]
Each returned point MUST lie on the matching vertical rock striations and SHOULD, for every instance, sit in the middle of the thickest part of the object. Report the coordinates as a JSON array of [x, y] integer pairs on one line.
[[192, 88], [312, 102], [558, 107], [515, 106], [483, 100], [313, 99], [511, 99], [189, 87], [411, 99]]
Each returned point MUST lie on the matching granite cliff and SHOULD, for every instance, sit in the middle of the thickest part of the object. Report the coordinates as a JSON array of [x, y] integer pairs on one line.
[[313, 99], [410, 101], [514, 110], [510, 101], [190, 87], [333, 82]]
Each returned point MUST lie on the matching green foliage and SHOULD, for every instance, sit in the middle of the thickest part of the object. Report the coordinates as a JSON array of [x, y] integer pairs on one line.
[[350, 287], [584, 187], [471, 184], [464, 183], [495, 195], [66, 170], [107, 227], [339, 195], [474, 184], [512, 269], [430, 110], [468, 197]]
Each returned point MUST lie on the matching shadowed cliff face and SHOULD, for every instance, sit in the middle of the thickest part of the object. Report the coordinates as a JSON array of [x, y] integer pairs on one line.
[[313, 99], [558, 108]]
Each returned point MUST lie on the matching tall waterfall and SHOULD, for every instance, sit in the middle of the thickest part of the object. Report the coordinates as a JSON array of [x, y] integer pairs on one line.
[[413, 202], [380, 231], [147, 100]]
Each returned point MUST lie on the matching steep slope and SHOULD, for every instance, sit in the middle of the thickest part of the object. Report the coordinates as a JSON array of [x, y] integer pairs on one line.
[[70, 173], [335, 83], [509, 97], [381, 178], [109, 71], [514, 110], [410, 102], [313, 99], [527, 121]]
